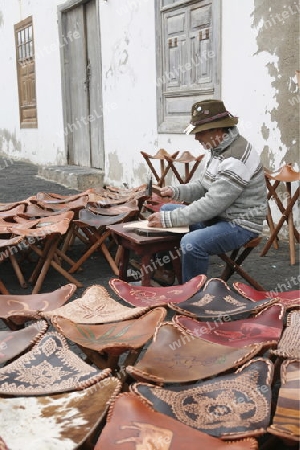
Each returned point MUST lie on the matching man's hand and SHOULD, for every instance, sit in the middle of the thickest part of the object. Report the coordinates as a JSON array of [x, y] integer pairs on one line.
[[163, 192], [154, 220], [166, 192]]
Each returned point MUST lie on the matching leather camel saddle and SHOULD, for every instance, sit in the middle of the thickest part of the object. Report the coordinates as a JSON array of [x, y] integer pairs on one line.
[[115, 193], [49, 367], [115, 337], [10, 205], [286, 173], [35, 211], [5, 228], [290, 299], [62, 421], [288, 346], [217, 300], [11, 213], [175, 356], [43, 226], [89, 218], [131, 206], [12, 343], [142, 428], [156, 295], [108, 197], [264, 328], [20, 308], [96, 306], [285, 422], [231, 406], [74, 206], [125, 190], [52, 197], [10, 242]]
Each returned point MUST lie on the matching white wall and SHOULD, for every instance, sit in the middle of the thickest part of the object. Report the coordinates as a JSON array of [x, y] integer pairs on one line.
[[129, 85], [44, 145], [129, 90]]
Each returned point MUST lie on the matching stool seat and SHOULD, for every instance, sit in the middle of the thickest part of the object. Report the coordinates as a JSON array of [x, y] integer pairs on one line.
[[185, 158], [235, 260], [285, 173]]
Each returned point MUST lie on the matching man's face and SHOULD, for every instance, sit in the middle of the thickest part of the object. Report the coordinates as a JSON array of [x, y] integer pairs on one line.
[[210, 138]]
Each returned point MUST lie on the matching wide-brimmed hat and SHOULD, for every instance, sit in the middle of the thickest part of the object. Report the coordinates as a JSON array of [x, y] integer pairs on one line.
[[209, 114]]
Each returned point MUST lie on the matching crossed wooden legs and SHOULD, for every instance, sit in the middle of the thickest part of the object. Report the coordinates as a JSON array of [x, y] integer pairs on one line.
[[235, 260], [287, 215]]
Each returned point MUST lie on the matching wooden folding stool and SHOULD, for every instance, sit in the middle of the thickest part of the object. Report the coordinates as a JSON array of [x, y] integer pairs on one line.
[[163, 157], [286, 175], [185, 158], [235, 260]]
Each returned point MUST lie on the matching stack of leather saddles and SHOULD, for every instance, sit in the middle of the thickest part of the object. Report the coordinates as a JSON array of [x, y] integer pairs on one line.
[[44, 227], [198, 365]]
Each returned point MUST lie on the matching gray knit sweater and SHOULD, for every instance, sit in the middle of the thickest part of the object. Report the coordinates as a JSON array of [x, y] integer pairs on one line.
[[231, 187]]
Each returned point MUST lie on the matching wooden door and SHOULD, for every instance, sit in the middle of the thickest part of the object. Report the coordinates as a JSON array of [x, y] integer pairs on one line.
[[80, 43]]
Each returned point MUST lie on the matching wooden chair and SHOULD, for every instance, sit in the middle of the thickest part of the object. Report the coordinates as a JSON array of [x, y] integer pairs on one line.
[[43, 236], [91, 228], [165, 160], [9, 247], [190, 162], [234, 262], [286, 175]]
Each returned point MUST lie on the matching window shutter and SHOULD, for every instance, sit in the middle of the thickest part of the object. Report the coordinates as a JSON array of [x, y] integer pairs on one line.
[[188, 59]]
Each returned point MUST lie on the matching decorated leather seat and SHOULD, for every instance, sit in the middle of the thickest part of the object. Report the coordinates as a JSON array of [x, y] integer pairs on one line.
[[49, 367], [264, 328], [21, 308], [217, 300], [288, 346], [230, 406], [175, 356], [115, 337], [113, 345], [156, 295], [96, 306], [290, 299]]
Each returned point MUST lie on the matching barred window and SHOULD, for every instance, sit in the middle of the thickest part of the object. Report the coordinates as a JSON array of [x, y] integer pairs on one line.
[[26, 73]]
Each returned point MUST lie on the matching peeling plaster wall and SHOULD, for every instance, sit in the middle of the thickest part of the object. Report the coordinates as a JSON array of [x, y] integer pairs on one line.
[[259, 58], [260, 54], [45, 144], [278, 26]]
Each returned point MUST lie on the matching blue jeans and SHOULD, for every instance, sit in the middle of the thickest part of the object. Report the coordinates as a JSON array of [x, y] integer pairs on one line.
[[207, 238]]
